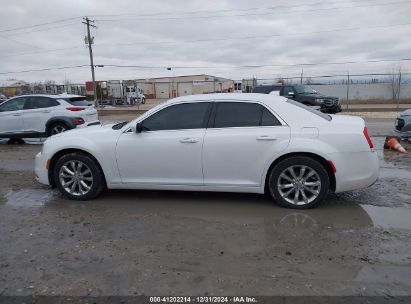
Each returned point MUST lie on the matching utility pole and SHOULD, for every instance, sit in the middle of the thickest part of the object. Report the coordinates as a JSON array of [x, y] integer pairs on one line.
[[348, 87], [89, 41], [301, 79]]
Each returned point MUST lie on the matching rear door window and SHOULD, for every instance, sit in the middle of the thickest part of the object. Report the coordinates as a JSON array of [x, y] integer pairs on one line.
[[243, 114], [39, 102]]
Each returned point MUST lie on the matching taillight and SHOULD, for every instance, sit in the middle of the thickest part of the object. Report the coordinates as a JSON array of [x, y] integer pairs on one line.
[[75, 109], [368, 138]]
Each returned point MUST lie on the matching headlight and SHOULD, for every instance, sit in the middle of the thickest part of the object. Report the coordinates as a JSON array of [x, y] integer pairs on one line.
[[319, 100]]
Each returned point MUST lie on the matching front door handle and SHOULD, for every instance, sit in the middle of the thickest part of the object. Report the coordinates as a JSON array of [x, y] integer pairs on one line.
[[17, 114], [266, 137], [189, 140]]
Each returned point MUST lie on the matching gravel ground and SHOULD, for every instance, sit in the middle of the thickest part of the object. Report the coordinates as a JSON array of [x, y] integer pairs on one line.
[[190, 243]]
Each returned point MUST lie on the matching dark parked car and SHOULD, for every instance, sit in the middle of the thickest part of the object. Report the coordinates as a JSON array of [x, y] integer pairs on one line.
[[2, 98], [304, 94], [403, 124]]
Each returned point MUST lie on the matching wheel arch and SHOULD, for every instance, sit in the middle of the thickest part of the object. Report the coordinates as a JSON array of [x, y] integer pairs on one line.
[[315, 156], [60, 119], [56, 156]]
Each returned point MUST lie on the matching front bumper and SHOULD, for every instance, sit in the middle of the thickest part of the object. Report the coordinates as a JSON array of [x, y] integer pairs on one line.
[[89, 124], [40, 169], [331, 109]]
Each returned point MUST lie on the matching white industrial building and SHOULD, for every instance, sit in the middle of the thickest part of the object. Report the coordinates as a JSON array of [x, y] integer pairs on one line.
[[169, 87]]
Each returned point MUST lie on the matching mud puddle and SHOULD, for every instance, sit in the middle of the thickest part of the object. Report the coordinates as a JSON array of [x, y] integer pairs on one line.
[[30, 197], [243, 208], [387, 217]]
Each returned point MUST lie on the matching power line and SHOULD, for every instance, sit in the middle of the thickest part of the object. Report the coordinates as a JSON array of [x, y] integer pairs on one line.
[[213, 40], [227, 10], [40, 52], [261, 36], [256, 66], [38, 25], [210, 67], [42, 29], [46, 69], [19, 42], [258, 14]]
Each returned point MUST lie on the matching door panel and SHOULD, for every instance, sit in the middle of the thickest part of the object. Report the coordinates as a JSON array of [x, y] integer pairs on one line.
[[11, 120], [38, 110], [238, 156], [170, 157], [35, 120]]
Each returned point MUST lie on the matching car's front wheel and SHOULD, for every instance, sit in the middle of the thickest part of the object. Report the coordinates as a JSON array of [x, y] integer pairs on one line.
[[57, 128], [298, 182], [78, 176]]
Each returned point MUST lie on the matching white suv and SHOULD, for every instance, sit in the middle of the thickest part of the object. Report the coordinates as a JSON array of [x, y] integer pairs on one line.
[[44, 115]]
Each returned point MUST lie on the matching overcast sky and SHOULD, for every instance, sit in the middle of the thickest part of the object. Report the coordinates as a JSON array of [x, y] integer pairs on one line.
[[162, 33]]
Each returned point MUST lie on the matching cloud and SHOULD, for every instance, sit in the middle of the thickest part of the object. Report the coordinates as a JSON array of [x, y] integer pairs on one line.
[[168, 36]]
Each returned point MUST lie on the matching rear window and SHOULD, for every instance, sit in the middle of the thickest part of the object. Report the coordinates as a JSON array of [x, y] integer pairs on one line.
[[77, 101], [310, 109]]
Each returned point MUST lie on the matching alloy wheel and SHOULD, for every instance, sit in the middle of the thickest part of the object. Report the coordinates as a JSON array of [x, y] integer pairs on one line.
[[76, 177], [58, 129], [299, 184]]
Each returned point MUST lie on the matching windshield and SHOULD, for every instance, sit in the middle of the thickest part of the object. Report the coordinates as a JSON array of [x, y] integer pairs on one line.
[[310, 109], [303, 89]]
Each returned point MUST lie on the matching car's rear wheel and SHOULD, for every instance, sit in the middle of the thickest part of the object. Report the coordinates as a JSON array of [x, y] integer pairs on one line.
[[298, 182], [57, 128], [143, 100], [78, 176]]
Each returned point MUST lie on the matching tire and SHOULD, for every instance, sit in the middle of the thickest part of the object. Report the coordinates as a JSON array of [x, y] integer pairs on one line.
[[143, 100], [310, 180], [57, 128], [69, 171]]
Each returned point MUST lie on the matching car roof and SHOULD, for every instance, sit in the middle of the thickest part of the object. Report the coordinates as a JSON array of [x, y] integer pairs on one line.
[[287, 111], [56, 96], [264, 98]]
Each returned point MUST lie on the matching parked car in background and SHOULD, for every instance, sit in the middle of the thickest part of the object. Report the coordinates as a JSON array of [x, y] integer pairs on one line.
[[216, 142], [403, 124], [2, 98], [31, 116], [303, 94]]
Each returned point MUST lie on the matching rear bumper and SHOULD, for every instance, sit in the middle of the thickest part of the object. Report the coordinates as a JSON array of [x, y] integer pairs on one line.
[[355, 170], [40, 170]]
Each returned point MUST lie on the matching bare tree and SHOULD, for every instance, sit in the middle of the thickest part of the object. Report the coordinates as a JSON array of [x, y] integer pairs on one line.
[[395, 82]]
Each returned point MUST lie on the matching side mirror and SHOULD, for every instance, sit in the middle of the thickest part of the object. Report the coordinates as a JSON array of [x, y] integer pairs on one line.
[[290, 94], [139, 127]]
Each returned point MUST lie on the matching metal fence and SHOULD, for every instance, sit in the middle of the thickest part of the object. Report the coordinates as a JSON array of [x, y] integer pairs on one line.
[[390, 88]]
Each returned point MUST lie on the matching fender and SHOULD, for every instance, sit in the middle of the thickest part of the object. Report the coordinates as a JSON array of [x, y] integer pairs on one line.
[[104, 154], [69, 121], [311, 145]]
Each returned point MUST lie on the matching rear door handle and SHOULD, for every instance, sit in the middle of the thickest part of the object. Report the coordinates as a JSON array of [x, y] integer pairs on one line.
[[17, 114], [46, 111], [266, 137], [189, 140]]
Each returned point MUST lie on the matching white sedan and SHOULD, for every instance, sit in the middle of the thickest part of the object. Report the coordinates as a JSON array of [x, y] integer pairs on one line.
[[253, 143]]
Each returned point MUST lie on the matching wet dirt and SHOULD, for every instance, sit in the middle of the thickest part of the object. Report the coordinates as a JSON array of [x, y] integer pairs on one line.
[[174, 243]]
